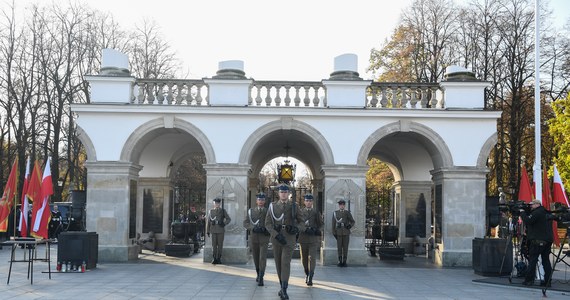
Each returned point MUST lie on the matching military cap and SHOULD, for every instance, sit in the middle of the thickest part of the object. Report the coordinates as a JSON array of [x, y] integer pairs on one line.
[[217, 199], [283, 187], [308, 197], [260, 196], [341, 201]]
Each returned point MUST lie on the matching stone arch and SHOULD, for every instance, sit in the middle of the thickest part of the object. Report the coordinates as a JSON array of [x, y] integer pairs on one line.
[[287, 124], [141, 134], [434, 143], [486, 150], [87, 143]]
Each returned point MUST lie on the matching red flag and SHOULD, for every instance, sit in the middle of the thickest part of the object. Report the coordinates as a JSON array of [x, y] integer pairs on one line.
[[547, 202], [23, 226], [34, 190], [525, 191], [558, 189], [43, 213], [7, 201]]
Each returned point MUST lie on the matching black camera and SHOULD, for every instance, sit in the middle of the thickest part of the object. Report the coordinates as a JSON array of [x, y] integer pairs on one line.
[[515, 207], [560, 213]]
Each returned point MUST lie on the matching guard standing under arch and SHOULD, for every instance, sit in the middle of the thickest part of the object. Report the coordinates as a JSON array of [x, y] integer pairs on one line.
[[216, 220], [342, 221]]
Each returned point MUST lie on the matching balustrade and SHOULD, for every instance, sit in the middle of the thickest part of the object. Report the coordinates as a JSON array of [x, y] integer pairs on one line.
[[170, 92], [385, 95], [404, 95]]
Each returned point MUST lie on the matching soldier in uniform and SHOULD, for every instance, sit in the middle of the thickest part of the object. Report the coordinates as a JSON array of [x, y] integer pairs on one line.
[[259, 238], [215, 222], [342, 221], [284, 220], [310, 238]]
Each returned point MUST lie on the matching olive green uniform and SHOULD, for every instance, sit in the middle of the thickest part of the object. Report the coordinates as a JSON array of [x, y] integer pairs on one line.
[[259, 238], [217, 219], [342, 221], [310, 241], [280, 221]]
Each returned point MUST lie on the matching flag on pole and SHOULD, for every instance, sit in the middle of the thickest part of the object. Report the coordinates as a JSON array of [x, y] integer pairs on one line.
[[547, 203], [525, 191], [43, 213], [23, 226], [34, 190], [559, 193], [7, 201]]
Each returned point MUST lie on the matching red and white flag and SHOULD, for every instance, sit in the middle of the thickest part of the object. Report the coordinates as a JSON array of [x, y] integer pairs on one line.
[[43, 213], [23, 226], [558, 189], [7, 201]]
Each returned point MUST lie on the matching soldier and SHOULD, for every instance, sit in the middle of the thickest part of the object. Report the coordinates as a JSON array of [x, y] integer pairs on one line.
[[342, 221], [310, 239], [217, 219], [259, 237], [284, 220]]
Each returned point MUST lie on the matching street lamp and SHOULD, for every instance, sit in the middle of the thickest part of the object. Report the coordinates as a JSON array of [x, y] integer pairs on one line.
[[286, 170]]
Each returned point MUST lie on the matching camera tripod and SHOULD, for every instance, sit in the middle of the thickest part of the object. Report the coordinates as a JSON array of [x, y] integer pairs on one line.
[[557, 258], [515, 237]]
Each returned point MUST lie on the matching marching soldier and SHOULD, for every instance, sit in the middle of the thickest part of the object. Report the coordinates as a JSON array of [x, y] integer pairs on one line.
[[259, 238], [284, 220], [216, 220], [310, 239], [342, 221]]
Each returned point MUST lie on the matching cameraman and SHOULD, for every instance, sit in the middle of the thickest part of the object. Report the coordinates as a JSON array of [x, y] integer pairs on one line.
[[539, 235]]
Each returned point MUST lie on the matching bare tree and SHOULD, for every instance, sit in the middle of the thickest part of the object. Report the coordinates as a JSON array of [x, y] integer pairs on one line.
[[151, 56]]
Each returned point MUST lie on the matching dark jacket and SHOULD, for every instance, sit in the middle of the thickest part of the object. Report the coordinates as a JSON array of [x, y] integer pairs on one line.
[[538, 225]]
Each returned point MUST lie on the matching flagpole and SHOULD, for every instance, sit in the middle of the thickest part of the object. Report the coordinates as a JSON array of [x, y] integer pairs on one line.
[[537, 143]]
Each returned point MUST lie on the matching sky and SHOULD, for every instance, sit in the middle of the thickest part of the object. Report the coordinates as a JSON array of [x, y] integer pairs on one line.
[[293, 40]]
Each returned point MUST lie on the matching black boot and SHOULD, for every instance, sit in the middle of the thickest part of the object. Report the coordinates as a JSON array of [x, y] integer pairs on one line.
[[219, 259], [339, 261], [215, 261], [306, 275], [257, 278], [310, 279], [344, 261], [283, 292], [260, 282]]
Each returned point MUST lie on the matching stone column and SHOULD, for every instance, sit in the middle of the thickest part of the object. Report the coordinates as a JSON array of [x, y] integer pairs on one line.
[[109, 195], [229, 182], [414, 212], [347, 182], [459, 213]]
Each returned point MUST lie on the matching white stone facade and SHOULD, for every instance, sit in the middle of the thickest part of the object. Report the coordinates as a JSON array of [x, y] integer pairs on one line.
[[438, 153]]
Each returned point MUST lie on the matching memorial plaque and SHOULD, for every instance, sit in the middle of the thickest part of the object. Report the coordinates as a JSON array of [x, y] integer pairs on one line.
[[153, 203], [132, 209], [438, 212], [416, 215]]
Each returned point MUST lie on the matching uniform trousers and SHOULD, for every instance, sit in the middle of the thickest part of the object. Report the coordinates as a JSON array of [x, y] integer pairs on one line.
[[283, 255], [342, 245], [259, 251], [217, 244], [309, 255]]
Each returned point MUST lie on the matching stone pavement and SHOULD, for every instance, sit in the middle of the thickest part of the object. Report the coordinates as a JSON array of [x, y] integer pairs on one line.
[[156, 276]]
